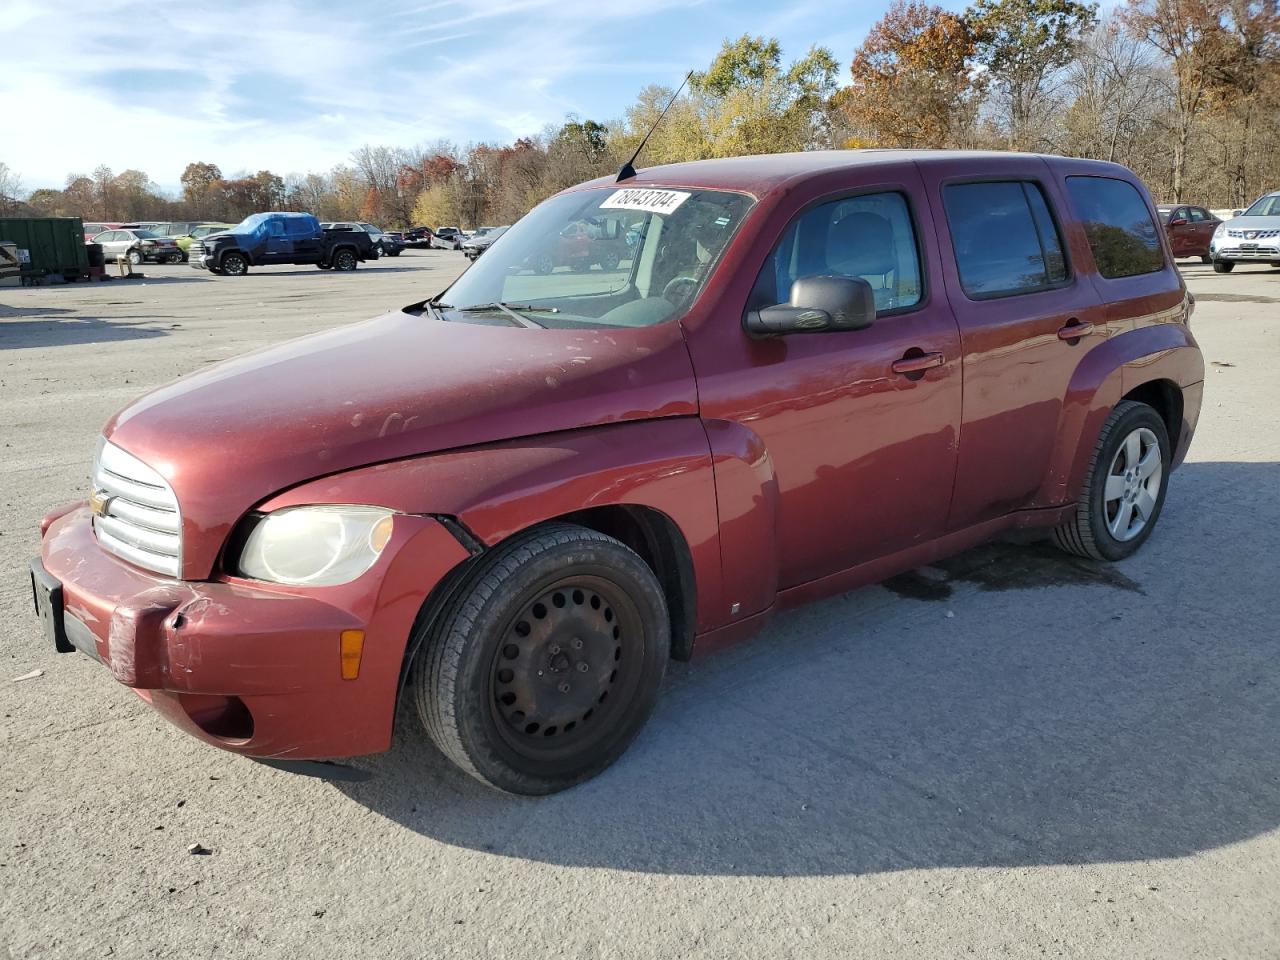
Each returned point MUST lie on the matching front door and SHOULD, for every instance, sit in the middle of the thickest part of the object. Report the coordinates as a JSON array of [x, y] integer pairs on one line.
[[1012, 284], [861, 427], [279, 244]]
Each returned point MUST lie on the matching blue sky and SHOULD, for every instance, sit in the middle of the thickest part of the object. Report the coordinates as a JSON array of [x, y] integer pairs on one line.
[[296, 85]]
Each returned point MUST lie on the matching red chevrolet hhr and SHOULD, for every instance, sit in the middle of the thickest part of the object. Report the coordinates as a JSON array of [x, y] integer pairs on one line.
[[783, 377]]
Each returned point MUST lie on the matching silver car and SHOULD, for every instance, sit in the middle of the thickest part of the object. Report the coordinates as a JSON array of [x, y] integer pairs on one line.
[[1251, 237], [138, 246]]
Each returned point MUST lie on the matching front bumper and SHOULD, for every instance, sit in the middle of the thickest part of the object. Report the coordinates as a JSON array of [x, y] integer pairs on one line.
[[1263, 251], [250, 667]]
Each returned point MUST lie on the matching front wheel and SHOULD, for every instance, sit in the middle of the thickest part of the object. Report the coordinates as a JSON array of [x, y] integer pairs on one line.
[[545, 663], [1125, 487], [135, 257], [235, 265], [1223, 266]]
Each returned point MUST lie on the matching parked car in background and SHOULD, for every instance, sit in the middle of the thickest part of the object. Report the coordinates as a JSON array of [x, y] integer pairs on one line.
[[586, 243], [447, 238], [393, 243], [151, 225], [419, 237], [479, 241], [199, 233], [91, 230], [510, 506], [1189, 229], [1251, 237], [265, 239], [138, 245]]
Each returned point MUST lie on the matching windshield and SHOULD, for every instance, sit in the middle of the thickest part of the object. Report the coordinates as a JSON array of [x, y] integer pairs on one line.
[[1266, 207], [250, 223], [621, 257]]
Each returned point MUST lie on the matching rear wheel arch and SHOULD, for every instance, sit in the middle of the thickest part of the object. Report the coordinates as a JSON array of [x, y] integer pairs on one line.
[[1165, 397]]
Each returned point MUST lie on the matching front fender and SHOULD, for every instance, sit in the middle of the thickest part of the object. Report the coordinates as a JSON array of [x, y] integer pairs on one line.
[[1162, 351], [499, 489]]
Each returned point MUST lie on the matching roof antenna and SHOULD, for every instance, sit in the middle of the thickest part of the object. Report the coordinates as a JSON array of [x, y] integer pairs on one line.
[[628, 169]]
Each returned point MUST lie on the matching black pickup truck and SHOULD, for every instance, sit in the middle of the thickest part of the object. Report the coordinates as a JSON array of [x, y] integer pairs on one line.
[[270, 238]]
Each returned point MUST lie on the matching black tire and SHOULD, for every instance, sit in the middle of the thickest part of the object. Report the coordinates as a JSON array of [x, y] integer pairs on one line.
[[394, 253], [217, 270], [1223, 266], [1087, 533], [510, 679], [344, 259], [324, 266], [234, 264], [1206, 259], [135, 258], [185, 258]]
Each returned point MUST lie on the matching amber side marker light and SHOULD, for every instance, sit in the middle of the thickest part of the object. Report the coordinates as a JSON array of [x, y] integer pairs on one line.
[[352, 647]]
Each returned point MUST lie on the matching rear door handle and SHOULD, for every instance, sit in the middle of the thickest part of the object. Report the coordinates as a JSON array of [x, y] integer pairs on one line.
[[1075, 330], [918, 364]]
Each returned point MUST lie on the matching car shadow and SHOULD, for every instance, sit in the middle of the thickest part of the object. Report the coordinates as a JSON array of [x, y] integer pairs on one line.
[[69, 331], [1032, 709]]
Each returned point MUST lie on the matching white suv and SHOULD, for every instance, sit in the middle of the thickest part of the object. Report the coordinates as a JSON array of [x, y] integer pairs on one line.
[[1252, 237]]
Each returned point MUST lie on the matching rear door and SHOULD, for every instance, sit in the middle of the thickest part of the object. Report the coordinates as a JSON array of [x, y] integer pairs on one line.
[[1010, 266], [1203, 223]]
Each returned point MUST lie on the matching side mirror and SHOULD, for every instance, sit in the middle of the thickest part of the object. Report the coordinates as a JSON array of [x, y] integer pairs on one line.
[[1177, 223], [818, 304], [1237, 213]]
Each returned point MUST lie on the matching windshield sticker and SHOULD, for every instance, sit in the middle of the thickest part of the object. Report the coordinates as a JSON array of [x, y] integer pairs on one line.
[[651, 201]]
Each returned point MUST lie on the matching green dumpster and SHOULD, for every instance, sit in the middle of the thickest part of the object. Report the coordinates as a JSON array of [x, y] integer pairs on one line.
[[47, 246]]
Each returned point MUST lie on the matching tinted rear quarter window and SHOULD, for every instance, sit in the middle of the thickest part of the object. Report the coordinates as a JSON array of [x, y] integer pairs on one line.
[[1005, 239], [1124, 239]]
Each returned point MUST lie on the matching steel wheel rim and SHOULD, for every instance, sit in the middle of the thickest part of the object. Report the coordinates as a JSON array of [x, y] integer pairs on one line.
[[534, 715], [1132, 492]]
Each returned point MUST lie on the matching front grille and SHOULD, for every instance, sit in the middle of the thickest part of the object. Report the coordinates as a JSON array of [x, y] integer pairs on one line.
[[135, 512], [1253, 234], [196, 249]]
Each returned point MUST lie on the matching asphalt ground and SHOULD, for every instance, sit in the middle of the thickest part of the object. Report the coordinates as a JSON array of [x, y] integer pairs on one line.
[[1014, 754]]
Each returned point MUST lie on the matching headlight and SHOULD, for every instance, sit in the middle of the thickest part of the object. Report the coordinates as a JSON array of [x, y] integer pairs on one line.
[[1220, 229], [316, 546]]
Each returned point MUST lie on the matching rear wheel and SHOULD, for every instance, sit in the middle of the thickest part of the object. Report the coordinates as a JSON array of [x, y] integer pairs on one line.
[[544, 665], [344, 259], [1206, 259], [1223, 266], [235, 264], [1125, 487]]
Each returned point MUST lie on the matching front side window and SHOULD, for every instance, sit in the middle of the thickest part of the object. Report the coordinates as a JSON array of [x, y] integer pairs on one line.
[[619, 256], [1197, 215], [1124, 239], [1005, 239], [869, 237]]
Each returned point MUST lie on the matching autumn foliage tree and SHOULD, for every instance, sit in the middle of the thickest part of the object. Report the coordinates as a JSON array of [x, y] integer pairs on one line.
[[913, 80]]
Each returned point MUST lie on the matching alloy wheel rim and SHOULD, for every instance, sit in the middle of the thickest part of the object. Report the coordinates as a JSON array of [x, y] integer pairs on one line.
[[1132, 491], [567, 661]]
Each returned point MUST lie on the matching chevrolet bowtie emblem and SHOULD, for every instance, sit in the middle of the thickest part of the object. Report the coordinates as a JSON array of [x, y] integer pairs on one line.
[[99, 501]]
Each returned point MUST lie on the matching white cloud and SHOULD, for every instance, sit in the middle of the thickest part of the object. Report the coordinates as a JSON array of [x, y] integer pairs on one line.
[[296, 85]]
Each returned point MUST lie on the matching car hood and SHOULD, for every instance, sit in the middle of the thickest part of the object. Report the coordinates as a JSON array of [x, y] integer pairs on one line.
[[1254, 223], [400, 385]]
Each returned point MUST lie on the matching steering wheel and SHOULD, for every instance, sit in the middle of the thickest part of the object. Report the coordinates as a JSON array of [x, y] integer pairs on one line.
[[678, 289]]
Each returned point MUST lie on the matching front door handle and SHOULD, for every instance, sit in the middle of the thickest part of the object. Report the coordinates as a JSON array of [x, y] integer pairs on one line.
[[918, 363], [1075, 330]]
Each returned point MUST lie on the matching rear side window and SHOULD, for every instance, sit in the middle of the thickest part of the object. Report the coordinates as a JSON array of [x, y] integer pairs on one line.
[[869, 236], [298, 226], [1005, 239], [1124, 239]]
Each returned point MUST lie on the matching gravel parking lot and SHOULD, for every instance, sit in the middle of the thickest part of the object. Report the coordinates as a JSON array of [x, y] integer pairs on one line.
[[1018, 754]]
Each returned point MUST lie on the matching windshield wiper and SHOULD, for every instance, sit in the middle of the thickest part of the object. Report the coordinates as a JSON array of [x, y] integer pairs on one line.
[[510, 310]]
